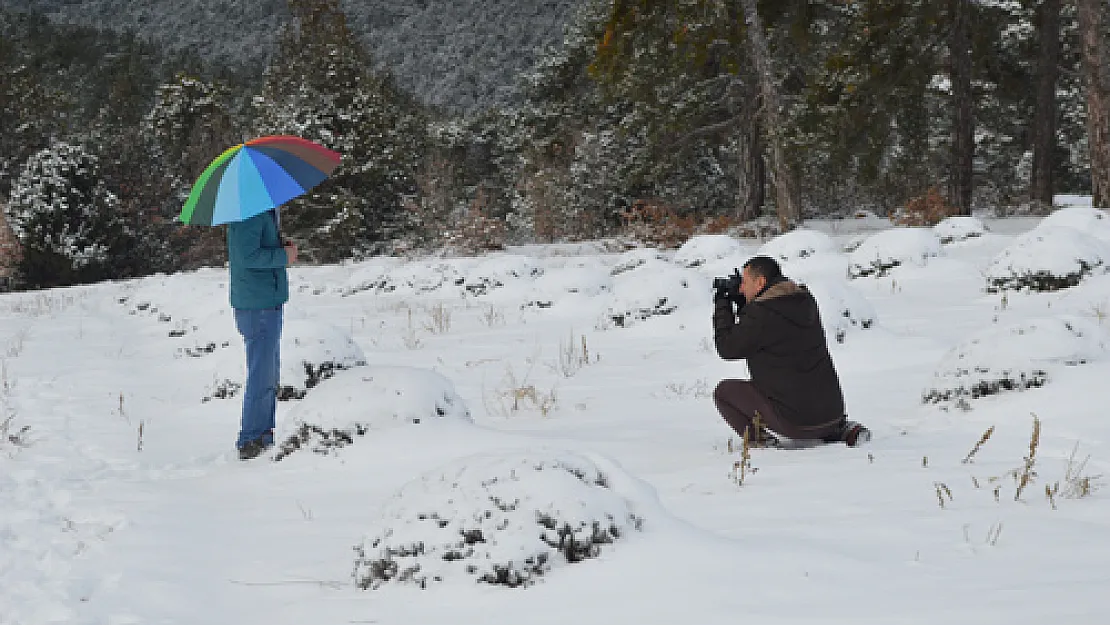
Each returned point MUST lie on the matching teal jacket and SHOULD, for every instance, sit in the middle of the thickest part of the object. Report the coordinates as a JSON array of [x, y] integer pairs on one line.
[[257, 262]]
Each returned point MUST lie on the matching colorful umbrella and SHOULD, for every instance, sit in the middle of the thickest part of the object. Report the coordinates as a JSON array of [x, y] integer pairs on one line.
[[255, 176]]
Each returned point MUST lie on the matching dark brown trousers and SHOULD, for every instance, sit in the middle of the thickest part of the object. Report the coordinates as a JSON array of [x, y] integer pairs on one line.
[[739, 403]]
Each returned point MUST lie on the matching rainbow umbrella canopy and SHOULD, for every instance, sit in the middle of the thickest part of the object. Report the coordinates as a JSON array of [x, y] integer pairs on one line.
[[255, 176]]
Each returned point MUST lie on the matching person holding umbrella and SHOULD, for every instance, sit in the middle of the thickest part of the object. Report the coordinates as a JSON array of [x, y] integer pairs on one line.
[[243, 188], [259, 287]]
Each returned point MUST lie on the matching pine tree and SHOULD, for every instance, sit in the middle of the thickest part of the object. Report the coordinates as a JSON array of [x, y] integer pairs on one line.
[[1091, 20], [66, 219], [1042, 183], [320, 87], [190, 124]]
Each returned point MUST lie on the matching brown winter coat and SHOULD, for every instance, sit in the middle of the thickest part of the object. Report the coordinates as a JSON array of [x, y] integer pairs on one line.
[[779, 333]]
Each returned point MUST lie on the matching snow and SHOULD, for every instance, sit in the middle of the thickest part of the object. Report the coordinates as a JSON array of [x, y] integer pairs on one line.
[[800, 243], [1014, 358], [702, 249], [504, 519], [959, 228], [1048, 258], [122, 501], [886, 250]]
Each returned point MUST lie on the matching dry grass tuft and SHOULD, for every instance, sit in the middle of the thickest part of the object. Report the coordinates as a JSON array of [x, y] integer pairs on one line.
[[979, 445]]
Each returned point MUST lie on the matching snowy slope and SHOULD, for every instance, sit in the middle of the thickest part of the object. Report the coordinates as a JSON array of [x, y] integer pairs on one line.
[[493, 423]]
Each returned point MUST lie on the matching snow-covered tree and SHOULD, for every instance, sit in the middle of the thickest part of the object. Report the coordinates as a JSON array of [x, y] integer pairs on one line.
[[320, 87], [65, 218], [191, 124]]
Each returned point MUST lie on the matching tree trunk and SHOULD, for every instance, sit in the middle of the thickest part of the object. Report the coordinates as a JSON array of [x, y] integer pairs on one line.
[[751, 174], [1041, 184], [1098, 115], [960, 182], [787, 201]]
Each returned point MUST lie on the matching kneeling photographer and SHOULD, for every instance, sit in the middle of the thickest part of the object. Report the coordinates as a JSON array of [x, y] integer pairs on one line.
[[774, 325]]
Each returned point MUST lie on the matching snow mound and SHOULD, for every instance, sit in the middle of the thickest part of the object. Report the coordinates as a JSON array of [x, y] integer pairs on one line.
[[655, 289], [959, 228], [214, 332], [1092, 221], [885, 250], [1013, 358], [702, 249], [505, 519], [497, 270], [179, 301], [556, 284], [368, 274], [369, 398], [416, 278], [800, 243], [634, 259], [843, 308], [311, 351], [1047, 258], [1090, 299]]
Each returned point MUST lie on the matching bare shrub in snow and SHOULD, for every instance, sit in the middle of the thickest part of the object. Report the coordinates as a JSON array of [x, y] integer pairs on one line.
[[504, 520], [1047, 258], [925, 210], [883, 251], [1010, 358]]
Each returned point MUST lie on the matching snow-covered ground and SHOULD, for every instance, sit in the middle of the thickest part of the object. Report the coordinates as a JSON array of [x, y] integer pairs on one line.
[[529, 437]]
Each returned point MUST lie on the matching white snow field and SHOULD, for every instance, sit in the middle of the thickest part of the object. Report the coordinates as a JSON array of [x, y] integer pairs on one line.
[[529, 438]]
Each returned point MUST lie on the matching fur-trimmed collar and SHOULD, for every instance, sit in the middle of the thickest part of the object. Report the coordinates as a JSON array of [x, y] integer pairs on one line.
[[786, 287]]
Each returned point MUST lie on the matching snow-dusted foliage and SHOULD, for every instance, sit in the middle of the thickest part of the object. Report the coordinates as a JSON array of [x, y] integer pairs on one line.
[[653, 289], [959, 228], [557, 285], [311, 351], [416, 278], [843, 308], [189, 121], [800, 243], [888, 249], [1014, 357], [505, 519], [635, 258], [701, 250], [355, 402], [59, 207], [495, 271], [1047, 258]]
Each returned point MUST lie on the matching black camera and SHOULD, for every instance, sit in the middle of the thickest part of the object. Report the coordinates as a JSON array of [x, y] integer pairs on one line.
[[728, 287]]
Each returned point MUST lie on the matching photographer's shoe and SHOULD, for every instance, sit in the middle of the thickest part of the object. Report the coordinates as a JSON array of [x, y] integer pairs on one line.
[[856, 435]]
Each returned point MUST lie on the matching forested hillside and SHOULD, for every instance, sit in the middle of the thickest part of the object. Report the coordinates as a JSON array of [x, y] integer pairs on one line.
[[457, 54], [474, 124]]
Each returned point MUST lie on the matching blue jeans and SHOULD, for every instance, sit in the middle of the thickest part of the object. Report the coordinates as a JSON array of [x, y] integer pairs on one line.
[[261, 330]]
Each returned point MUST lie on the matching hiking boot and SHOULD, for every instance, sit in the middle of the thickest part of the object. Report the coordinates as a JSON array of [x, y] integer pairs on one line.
[[850, 433], [253, 449], [856, 434]]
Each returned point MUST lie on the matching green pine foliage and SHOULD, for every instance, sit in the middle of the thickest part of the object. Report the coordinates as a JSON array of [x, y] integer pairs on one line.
[[639, 102], [320, 87]]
